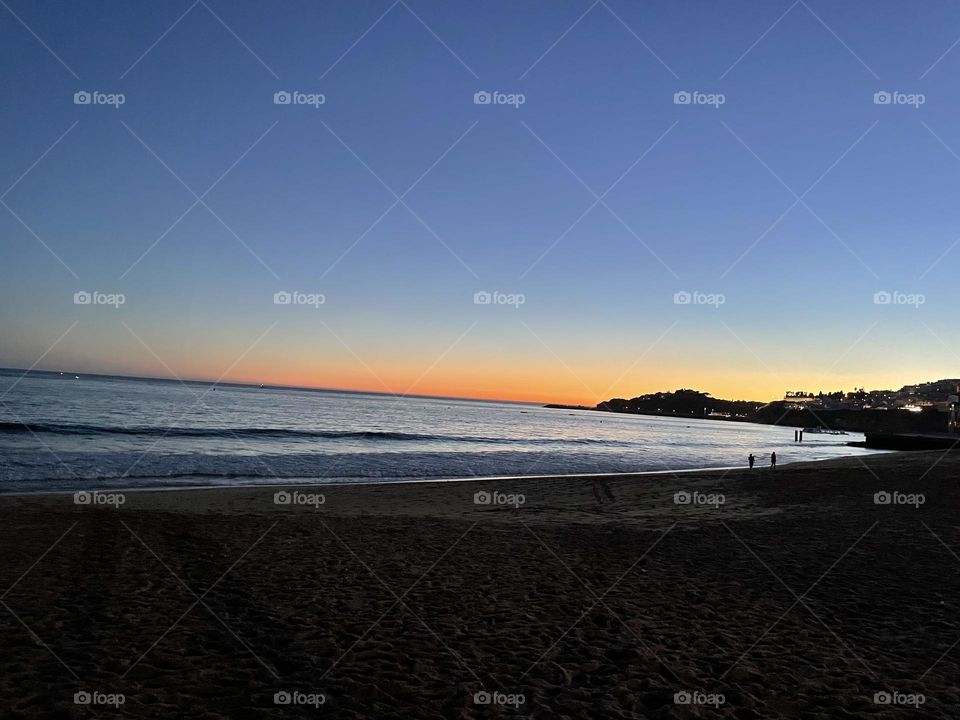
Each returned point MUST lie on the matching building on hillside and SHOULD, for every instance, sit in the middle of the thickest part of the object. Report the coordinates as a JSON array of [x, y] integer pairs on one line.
[[953, 422]]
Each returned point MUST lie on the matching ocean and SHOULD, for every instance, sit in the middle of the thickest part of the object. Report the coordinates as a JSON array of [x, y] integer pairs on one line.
[[63, 432]]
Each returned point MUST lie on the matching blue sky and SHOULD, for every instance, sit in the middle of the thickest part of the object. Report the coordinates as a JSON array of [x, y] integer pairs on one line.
[[702, 211]]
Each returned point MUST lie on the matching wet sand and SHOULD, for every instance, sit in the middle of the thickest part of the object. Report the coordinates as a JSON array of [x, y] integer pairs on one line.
[[797, 597]]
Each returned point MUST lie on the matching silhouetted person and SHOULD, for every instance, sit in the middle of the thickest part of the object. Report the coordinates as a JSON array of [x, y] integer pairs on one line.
[[751, 460], [773, 459]]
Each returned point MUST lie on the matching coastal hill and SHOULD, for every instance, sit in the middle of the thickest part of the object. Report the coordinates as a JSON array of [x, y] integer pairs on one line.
[[929, 407], [685, 402]]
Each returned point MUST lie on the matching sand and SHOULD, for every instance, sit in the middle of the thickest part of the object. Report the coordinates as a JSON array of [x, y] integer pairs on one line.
[[797, 597]]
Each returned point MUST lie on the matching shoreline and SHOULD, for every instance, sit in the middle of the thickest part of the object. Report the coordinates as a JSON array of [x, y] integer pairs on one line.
[[307, 482]]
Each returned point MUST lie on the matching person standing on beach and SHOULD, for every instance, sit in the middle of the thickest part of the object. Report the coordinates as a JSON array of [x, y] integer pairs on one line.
[[751, 460], [773, 459]]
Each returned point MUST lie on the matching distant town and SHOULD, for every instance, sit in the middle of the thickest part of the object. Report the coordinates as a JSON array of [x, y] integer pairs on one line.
[[930, 407], [939, 394]]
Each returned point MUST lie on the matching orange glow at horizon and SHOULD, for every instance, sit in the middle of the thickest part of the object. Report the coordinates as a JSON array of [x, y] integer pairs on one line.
[[479, 373], [539, 384]]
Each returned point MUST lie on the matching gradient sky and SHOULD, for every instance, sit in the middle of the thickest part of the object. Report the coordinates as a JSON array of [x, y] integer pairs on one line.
[[709, 205]]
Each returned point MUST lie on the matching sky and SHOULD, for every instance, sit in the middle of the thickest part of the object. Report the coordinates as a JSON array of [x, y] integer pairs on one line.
[[742, 197]]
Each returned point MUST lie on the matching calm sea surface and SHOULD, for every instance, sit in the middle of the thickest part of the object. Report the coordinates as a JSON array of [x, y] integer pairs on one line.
[[60, 432]]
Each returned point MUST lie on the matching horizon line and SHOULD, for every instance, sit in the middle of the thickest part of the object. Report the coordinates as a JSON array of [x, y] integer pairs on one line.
[[233, 383]]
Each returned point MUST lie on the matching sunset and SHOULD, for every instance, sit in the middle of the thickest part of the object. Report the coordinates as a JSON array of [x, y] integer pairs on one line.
[[418, 359], [398, 198]]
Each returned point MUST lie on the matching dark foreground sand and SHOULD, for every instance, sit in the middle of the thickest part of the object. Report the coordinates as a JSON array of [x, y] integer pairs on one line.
[[798, 598]]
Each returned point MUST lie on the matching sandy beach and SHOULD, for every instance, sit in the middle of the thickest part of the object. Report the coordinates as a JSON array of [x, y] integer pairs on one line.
[[766, 594]]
